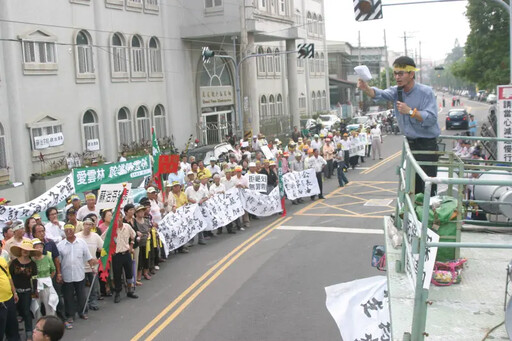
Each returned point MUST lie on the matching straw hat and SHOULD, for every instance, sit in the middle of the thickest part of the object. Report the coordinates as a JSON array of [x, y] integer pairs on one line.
[[25, 245]]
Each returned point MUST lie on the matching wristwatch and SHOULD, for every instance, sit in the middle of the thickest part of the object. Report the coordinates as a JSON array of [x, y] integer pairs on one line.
[[411, 112]]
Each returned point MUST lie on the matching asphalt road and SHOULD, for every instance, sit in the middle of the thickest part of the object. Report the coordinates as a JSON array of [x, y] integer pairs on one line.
[[265, 283]]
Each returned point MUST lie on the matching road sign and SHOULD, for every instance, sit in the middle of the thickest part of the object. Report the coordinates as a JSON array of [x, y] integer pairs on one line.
[[504, 121], [367, 9], [306, 50]]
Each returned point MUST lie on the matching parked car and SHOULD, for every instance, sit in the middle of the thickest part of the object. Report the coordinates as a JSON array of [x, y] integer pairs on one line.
[[329, 120], [355, 122], [457, 118], [491, 98], [204, 153], [308, 123]]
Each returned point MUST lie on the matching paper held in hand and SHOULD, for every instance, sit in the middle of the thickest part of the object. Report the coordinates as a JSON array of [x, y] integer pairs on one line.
[[363, 72]]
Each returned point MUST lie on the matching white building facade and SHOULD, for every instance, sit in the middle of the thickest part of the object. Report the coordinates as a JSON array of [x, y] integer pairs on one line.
[[85, 78]]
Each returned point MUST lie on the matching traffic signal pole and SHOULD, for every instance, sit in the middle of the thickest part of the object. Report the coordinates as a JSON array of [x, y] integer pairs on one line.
[[236, 67]]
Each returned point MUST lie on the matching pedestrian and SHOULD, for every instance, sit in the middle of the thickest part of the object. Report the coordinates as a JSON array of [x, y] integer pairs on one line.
[[416, 113], [122, 259], [24, 276], [48, 328], [8, 300], [317, 163], [29, 226], [47, 296], [241, 181], [213, 167], [340, 156], [74, 253], [376, 137], [54, 227], [345, 146], [328, 155], [88, 208], [196, 195], [143, 226], [296, 134], [18, 230], [473, 125], [95, 244], [122, 158], [50, 249], [71, 219]]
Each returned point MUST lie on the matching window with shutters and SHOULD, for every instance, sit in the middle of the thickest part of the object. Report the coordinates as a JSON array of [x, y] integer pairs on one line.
[[138, 60], [91, 131], [119, 57], [159, 121], [261, 63], [143, 124], [84, 58], [39, 53], [124, 127], [277, 62], [3, 154], [155, 58]]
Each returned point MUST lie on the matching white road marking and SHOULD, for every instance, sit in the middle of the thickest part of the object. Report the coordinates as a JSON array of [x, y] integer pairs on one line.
[[331, 229], [362, 168]]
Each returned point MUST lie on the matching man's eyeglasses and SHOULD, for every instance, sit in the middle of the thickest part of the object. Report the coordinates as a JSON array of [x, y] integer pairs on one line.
[[400, 73]]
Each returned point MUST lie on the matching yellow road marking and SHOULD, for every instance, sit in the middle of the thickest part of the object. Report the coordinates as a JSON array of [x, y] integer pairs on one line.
[[198, 281], [384, 211], [379, 189], [377, 165], [209, 281], [339, 215], [341, 209]]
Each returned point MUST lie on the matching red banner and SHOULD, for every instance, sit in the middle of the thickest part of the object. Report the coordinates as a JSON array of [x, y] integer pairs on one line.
[[168, 163]]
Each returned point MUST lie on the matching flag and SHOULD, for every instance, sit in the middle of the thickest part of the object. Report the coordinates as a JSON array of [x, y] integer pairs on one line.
[[281, 184], [109, 244], [156, 151]]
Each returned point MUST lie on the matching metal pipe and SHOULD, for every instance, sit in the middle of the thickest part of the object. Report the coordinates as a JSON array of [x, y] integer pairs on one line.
[[470, 245]]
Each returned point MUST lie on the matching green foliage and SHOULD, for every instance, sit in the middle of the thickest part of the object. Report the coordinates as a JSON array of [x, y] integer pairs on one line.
[[487, 46], [381, 82]]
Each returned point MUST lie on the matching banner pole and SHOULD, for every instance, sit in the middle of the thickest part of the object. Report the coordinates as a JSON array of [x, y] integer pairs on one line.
[[281, 187]]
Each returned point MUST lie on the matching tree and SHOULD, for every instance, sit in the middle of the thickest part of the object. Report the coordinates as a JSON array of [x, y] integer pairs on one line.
[[487, 45], [381, 82]]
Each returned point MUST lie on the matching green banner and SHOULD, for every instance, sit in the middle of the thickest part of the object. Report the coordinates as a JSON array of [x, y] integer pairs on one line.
[[90, 178]]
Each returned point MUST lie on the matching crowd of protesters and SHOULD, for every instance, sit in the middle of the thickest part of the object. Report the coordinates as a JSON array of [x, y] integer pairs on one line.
[[50, 269]]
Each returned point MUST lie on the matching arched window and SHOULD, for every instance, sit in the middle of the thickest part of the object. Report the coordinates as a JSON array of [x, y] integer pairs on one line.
[[155, 58], [298, 18], [91, 130], [84, 59], [263, 107], [279, 105], [3, 155], [320, 25], [119, 55], [319, 101], [277, 60], [316, 63], [272, 106], [322, 63], [314, 23], [313, 101], [324, 100], [270, 62], [309, 23], [143, 124], [124, 126], [137, 55], [302, 101], [261, 61], [159, 121]]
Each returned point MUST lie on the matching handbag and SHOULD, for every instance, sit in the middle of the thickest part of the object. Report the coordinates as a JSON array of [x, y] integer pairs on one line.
[[448, 273]]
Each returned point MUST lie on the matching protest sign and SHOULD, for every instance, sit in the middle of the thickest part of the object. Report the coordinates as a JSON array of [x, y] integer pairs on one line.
[[301, 184], [50, 198], [177, 228], [109, 194], [361, 308], [266, 151], [260, 204], [257, 182], [356, 148], [221, 209], [90, 178], [168, 163]]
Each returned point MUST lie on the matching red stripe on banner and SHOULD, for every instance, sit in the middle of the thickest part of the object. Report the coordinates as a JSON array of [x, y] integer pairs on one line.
[[283, 207]]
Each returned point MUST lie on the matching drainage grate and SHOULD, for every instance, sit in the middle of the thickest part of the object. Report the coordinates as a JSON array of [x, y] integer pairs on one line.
[[379, 202]]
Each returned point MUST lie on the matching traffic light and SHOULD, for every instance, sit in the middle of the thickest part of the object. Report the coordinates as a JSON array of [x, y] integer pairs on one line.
[[439, 68], [306, 50], [367, 9], [207, 54]]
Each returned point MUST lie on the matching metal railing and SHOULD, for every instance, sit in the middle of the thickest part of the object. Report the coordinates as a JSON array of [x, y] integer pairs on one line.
[[407, 171]]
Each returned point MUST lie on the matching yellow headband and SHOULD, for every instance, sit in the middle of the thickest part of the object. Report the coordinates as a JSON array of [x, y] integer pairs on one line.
[[407, 68]]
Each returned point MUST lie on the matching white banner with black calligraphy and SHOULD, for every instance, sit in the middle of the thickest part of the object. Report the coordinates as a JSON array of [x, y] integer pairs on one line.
[[301, 184], [52, 197], [221, 209], [257, 182], [357, 147], [260, 204], [361, 309], [177, 228]]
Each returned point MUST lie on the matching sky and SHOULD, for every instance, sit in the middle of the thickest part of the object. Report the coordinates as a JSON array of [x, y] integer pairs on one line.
[[436, 25]]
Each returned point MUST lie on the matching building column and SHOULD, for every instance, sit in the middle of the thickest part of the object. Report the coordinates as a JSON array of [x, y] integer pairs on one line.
[[249, 93], [293, 86]]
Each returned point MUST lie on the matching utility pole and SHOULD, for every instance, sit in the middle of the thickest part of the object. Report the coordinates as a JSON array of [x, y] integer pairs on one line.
[[359, 61], [405, 43], [245, 112], [387, 61]]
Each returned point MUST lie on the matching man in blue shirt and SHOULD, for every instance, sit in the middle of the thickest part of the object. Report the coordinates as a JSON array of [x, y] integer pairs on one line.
[[416, 112], [473, 125]]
